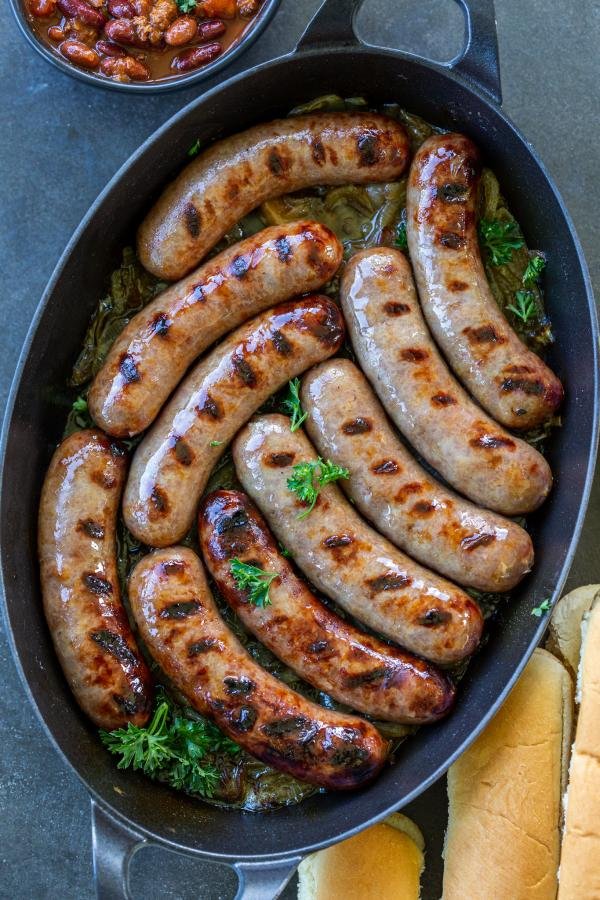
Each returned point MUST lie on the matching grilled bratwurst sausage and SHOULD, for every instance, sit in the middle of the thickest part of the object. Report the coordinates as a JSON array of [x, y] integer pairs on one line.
[[172, 464], [345, 558], [353, 667], [80, 586], [470, 545], [510, 382], [399, 357], [152, 354], [179, 621], [237, 174]]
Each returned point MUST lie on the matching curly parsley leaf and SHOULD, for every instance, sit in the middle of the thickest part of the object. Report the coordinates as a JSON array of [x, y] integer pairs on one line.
[[401, 241], [187, 6], [524, 306], [147, 748], [253, 580], [540, 610], [534, 269], [292, 406], [500, 239], [310, 477]]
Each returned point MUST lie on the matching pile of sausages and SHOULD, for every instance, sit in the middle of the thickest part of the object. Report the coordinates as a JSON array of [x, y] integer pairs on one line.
[[392, 546]]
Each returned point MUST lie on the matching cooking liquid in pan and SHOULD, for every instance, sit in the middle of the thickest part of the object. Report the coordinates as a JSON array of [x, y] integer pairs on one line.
[[362, 217]]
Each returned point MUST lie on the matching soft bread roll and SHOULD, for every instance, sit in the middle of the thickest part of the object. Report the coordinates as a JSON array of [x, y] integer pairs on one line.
[[564, 633], [383, 862], [580, 857], [505, 792]]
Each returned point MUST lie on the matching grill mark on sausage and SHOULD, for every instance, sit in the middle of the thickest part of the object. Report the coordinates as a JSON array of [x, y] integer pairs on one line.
[[237, 519], [484, 334], [128, 368], [386, 467], [160, 324], [172, 567], [117, 450], [326, 326], [115, 645], [238, 687], [283, 249], [452, 192], [281, 344], [442, 399], [455, 287], [492, 442], [360, 678], [91, 528], [278, 460], [192, 219], [318, 646], [413, 487], [527, 386], [391, 581], [368, 148], [396, 309], [131, 704], [357, 426], [422, 508], [472, 541], [434, 617], [159, 500], [181, 449], [277, 163], [349, 755], [181, 609], [287, 725], [317, 151], [452, 240], [243, 719], [97, 585], [239, 266], [337, 540], [244, 370], [209, 407], [204, 646], [414, 354]]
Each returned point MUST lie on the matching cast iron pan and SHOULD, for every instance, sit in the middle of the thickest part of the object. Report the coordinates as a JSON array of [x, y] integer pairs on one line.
[[128, 809]]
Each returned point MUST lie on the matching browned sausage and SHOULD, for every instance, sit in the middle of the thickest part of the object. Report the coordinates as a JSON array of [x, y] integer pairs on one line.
[[397, 354], [153, 352], [80, 585], [510, 382], [466, 543], [237, 174], [353, 667], [179, 621], [172, 464], [348, 560]]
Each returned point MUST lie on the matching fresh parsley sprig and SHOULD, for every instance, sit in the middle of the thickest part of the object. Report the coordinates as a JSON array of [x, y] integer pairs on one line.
[[540, 610], [310, 477], [186, 6], [500, 239], [401, 240], [534, 269], [254, 580], [524, 306], [292, 405]]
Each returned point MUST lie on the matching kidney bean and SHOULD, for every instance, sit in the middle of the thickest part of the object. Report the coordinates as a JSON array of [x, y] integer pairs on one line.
[[42, 9], [195, 57], [79, 9], [123, 32], [107, 48], [210, 29], [80, 54], [121, 9], [181, 31], [125, 68], [56, 34]]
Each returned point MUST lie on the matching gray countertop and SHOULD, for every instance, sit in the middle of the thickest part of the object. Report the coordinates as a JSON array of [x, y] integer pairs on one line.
[[60, 142]]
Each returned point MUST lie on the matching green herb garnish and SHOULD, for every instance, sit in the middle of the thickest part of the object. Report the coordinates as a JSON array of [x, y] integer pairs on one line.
[[254, 580], [535, 267], [292, 405], [195, 148], [539, 611], [401, 241], [310, 477], [500, 239], [187, 6], [216, 443], [284, 551], [524, 306]]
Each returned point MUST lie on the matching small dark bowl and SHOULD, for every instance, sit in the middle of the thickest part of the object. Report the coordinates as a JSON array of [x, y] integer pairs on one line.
[[256, 28]]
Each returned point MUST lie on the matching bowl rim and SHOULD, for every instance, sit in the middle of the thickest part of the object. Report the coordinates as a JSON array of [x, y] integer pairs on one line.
[[256, 27]]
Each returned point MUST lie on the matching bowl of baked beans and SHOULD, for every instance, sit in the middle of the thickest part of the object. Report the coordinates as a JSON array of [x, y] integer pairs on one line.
[[142, 45]]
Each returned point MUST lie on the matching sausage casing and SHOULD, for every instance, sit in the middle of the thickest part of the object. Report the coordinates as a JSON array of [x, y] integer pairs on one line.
[[237, 174], [348, 560], [172, 464], [510, 381], [327, 651], [470, 545], [180, 623], [397, 354], [153, 352], [80, 586]]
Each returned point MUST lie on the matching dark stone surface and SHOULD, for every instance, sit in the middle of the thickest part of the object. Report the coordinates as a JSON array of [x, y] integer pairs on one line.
[[60, 142]]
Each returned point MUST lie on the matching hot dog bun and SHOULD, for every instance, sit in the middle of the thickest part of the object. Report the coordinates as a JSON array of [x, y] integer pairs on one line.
[[579, 877], [505, 792], [564, 632], [383, 862]]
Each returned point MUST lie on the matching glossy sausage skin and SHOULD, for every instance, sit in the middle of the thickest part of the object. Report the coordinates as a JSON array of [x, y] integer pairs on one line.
[[513, 384], [152, 354], [348, 560], [355, 668], [180, 623], [80, 586], [472, 546], [397, 354], [237, 174], [172, 464]]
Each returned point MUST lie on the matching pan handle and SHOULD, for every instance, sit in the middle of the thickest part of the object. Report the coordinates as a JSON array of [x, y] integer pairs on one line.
[[113, 846], [264, 881], [333, 24]]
